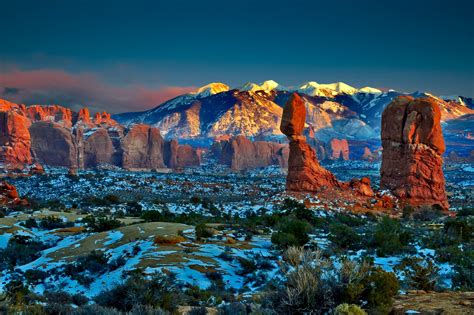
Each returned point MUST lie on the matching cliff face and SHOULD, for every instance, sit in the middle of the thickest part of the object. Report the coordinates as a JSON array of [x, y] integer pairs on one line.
[[56, 136], [413, 145], [239, 153]]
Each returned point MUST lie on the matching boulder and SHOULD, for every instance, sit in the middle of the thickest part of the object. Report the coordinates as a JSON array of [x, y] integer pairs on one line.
[[413, 145], [9, 195]]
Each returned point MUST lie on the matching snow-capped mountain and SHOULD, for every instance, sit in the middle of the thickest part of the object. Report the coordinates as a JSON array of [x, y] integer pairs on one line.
[[335, 110]]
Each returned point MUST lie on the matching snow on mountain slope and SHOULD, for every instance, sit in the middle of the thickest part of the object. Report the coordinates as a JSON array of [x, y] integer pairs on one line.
[[334, 110]]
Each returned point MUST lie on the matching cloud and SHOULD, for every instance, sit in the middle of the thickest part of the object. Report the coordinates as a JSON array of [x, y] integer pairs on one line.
[[81, 90]]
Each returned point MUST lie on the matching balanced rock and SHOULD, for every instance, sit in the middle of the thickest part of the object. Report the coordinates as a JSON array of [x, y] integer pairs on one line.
[[304, 171], [15, 141], [413, 145]]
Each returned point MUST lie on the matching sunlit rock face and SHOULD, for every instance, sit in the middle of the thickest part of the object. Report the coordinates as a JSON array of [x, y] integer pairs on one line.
[[338, 149], [304, 171], [413, 145], [305, 174], [240, 153], [9, 195], [15, 141]]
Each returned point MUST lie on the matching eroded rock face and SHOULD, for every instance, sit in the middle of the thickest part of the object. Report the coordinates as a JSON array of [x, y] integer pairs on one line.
[[142, 148], [305, 174], [239, 153], [338, 149], [98, 149], [304, 171], [53, 144], [9, 196], [15, 141], [413, 145], [179, 156]]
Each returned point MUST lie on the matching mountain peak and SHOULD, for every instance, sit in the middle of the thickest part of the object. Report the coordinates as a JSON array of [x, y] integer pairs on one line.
[[211, 89]]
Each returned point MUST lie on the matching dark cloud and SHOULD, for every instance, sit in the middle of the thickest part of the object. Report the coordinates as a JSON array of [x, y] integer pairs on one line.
[[49, 86]]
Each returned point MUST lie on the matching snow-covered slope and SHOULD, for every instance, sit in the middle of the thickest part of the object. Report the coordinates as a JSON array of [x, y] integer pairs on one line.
[[334, 110]]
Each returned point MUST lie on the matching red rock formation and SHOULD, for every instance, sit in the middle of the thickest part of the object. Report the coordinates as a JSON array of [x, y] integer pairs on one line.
[[304, 172], [338, 149], [54, 113], [98, 149], [9, 195], [15, 141], [412, 148], [84, 116], [180, 156], [104, 119], [142, 148], [239, 153], [53, 144]]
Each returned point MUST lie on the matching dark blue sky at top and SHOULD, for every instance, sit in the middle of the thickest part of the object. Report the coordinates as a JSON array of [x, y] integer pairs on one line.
[[405, 45]]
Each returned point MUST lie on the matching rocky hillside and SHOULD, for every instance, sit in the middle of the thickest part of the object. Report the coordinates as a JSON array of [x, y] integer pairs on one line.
[[56, 136], [334, 110]]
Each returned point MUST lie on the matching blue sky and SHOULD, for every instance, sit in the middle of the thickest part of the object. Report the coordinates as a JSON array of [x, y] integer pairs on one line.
[[171, 46]]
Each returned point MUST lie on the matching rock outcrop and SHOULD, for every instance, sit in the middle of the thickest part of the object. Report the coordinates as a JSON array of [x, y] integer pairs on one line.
[[338, 149], [305, 174], [304, 171], [98, 149], [15, 141], [239, 153], [179, 156], [9, 196], [142, 148], [413, 145], [53, 144]]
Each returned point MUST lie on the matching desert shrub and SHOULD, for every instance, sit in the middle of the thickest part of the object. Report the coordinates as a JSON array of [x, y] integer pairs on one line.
[[344, 236], [2, 213], [427, 213], [159, 292], [349, 309], [134, 208], [53, 222], [420, 274], [101, 224], [30, 223], [246, 266], [459, 229], [111, 199], [153, 216], [350, 220], [465, 212], [234, 308], [317, 285], [15, 292], [202, 231], [35, 276], [19, 251], [291, 232], [379, 291], [390, 237]]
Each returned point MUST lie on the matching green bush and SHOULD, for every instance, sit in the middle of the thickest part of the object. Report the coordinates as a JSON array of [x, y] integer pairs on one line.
[[344, 236], [291, 232], [389, 237], [349, 309], [202, 231], [420, 274]]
